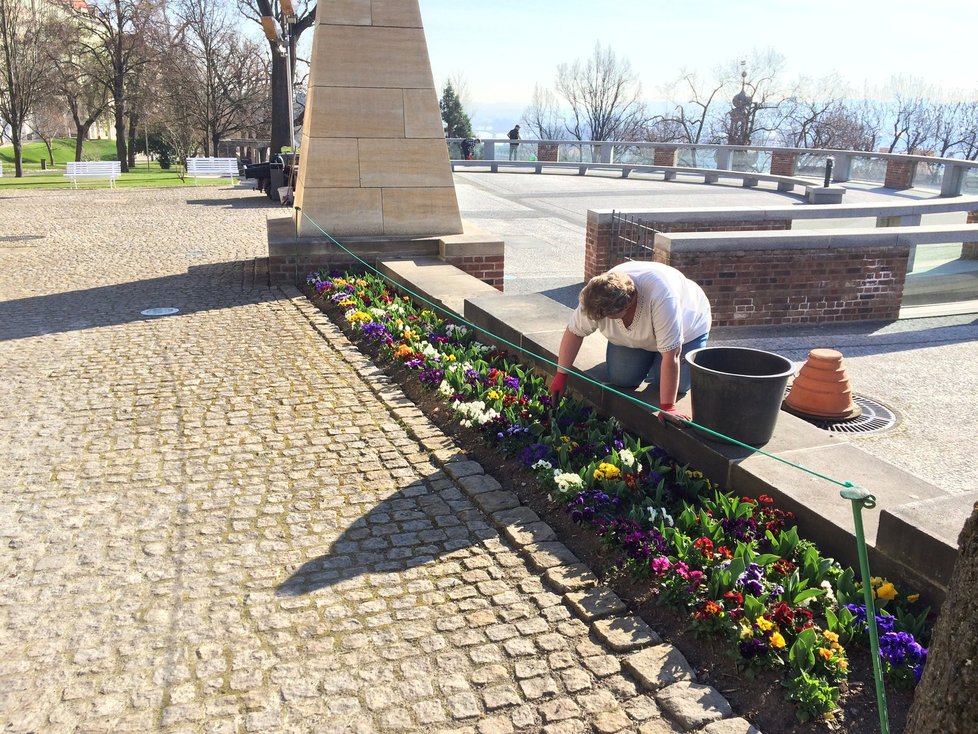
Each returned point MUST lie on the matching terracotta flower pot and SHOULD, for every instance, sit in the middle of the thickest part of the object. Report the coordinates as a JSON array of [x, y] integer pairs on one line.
[[822, 389]]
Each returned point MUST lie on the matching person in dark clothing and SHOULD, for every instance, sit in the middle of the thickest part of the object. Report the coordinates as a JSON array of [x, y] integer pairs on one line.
[[513, 134], [468, 148]]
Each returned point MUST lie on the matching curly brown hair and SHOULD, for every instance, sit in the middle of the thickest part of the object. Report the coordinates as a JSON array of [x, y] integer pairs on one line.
[[607, 294]]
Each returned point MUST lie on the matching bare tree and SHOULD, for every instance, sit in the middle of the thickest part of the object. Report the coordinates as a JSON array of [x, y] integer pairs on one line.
[[23, 66], [76, 79], [116, 41], [846, 126], [231, 79], [542, 117], [968, 143], [912, 114], [804, 112], [691, 119], [48, 121], [605, 97], [948, 133]]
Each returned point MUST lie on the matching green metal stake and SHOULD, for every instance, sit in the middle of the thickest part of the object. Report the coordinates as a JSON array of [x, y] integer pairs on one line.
[[863, 499]]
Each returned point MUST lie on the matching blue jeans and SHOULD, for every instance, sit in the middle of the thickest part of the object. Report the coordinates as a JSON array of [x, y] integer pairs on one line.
[[629, 366]]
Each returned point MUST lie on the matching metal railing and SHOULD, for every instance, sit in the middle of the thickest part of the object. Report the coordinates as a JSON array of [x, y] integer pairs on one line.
[[949, 176]]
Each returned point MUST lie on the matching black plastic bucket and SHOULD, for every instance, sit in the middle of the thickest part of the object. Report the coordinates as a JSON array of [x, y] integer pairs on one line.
[[737, 391]]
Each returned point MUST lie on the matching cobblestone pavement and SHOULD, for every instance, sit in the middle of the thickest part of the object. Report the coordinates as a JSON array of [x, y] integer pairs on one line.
[[225, 520]]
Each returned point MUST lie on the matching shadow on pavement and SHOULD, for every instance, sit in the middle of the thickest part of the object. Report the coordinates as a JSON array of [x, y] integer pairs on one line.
[[412, 527], [566, 295], [258, 201], [201, 288]]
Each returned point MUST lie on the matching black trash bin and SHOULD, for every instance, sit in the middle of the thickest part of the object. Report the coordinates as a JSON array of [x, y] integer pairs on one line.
[[737, 392]]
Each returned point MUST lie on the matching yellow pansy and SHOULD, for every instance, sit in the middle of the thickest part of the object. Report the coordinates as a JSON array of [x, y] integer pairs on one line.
[[764, 624], [887, 591], [777, 641]]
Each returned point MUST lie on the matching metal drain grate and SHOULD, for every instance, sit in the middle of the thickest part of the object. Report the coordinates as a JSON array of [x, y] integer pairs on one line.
[[875, 418]]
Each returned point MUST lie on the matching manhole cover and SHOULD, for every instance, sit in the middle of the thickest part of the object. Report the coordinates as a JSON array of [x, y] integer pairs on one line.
[[160, 311], [874, 418]]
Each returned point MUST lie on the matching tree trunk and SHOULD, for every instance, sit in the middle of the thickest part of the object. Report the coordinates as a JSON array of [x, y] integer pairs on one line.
[[131, 153], [18, 153], [280, 103], [81, 132], [118, 103], [945, 701]]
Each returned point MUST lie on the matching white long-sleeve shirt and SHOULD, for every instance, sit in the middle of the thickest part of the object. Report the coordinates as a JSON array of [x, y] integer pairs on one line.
[[671, 311]]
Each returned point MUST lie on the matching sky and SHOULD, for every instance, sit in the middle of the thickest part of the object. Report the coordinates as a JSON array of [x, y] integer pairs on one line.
[[504, 47]]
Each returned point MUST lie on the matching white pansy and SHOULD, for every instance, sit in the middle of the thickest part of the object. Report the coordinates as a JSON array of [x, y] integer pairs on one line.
[[627, 457], [474, 412], [568, 481], [542, 465], [829, 593], [659, 513], [445, 389]]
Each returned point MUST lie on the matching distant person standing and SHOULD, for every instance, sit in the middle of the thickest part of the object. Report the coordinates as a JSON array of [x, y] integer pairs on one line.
[[513, 134]]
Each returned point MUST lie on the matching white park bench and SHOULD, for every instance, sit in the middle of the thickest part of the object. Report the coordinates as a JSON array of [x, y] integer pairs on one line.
[[212, 168], [93, 169]]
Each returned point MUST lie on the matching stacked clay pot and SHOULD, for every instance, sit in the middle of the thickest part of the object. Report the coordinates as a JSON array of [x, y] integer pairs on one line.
[[822, 388]]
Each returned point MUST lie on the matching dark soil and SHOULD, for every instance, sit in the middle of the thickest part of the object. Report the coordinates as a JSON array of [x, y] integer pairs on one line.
[[760, 699]]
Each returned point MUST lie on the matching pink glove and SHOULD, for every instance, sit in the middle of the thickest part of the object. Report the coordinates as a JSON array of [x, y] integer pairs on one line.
[[670, 409], [557, 387]]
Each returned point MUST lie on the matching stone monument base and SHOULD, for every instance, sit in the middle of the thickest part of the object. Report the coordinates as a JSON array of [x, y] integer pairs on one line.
[[291, 258]]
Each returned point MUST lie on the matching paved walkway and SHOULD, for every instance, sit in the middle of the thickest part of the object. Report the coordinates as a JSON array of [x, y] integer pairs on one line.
[[225, 520]]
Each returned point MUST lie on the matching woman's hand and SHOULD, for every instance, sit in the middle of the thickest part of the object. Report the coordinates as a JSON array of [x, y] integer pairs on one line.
[[557, 388], [668, 409]]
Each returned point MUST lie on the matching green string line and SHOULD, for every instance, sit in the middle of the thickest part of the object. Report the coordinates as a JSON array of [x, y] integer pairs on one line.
[[459, 317]]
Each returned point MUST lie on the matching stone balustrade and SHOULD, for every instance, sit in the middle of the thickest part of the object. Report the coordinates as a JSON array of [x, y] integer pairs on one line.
[[898, 170]]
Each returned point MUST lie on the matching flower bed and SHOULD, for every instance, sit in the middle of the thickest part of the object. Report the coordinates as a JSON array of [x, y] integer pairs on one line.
[[734, 567]]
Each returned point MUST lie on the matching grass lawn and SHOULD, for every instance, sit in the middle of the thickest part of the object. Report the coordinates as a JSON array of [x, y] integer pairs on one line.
[[141, 176]]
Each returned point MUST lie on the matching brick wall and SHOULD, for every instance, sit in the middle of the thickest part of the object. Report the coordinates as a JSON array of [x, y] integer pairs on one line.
[[969, 250], [487, 268], [547, 153], [664, 157], [783, 163], [597, 249], [899, 173], [749, 288], [602, 251]]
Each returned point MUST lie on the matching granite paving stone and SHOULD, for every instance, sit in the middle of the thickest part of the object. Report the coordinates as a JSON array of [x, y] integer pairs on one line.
[[595, 603], [692, 705], [228, 520]]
